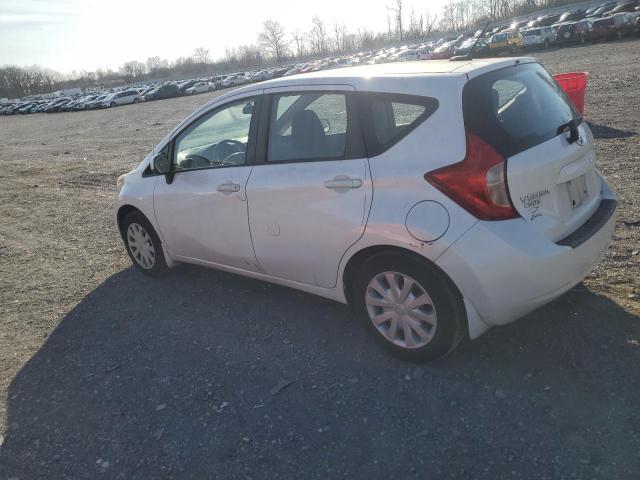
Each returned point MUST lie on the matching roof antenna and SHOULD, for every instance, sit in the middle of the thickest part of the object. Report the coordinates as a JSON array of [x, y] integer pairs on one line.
[[467, 56]]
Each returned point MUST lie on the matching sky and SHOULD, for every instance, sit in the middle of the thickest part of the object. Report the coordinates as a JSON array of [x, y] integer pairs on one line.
[[67, 35]]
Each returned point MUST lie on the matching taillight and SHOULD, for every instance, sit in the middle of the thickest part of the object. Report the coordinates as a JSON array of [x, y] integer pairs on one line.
[[478, 183]]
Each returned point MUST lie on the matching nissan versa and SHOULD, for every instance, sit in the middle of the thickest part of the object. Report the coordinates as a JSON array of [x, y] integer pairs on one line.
[[438, 199]]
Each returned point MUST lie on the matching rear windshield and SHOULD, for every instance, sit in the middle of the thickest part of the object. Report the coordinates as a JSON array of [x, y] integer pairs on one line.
[[516, 108]]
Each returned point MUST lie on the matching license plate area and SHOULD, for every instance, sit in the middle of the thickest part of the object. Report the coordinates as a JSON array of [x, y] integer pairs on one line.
[[578, 192]]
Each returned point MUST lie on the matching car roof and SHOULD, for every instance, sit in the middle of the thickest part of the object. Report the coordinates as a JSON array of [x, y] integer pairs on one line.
[[352, 75]]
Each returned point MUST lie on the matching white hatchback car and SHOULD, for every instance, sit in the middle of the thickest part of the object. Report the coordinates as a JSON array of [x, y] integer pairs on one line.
[[439, 199], [200, 87], [539, 37], [122, 98]]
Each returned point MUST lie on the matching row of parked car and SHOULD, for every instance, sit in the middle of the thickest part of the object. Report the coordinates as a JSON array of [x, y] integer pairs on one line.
[[101, 98], [607, 21]]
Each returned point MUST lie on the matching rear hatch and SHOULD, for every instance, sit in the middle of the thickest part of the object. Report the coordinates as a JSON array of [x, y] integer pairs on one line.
[[550, 161]]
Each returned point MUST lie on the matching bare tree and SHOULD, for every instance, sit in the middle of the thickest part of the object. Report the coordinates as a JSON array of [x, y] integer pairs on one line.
[[157, 64], [490, 8], [132, 70], [340, 36], [389, 24], [397, 11], [272, 39], [429, 23], [416, 25], [201, 55], [299, 42], [318, 35], [448, 20]]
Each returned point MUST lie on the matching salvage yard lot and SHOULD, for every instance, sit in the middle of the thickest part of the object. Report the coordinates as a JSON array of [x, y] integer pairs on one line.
[[105, 373]]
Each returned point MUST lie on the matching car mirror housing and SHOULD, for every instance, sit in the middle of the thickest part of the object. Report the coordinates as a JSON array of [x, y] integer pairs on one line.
[[248, 108], [160, 163]]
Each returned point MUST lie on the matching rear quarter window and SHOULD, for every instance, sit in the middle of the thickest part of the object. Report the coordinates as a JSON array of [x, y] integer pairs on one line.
[[516, 108], [389, 117]]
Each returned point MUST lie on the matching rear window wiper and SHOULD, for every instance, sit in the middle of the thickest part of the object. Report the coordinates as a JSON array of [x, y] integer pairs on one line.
[[572, 126]]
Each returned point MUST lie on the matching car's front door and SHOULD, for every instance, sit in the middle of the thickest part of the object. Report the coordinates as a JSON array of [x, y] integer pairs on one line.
[[310, 190], [202, 210]]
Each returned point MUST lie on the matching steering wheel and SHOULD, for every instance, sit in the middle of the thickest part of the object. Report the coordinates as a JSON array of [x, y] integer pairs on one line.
[[225, 149], [195, 161]]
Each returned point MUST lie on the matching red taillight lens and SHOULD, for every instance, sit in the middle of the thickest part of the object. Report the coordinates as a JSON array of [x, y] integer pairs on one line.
[[478, 183]]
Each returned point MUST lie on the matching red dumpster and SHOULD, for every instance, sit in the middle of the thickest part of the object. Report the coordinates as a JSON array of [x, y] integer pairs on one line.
[[574, 84]]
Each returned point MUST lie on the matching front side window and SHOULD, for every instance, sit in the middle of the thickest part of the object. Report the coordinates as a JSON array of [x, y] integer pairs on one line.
[[308, 126], [218, 139]]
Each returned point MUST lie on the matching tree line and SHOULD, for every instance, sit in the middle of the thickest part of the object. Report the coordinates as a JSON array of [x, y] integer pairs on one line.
[[276, 45]]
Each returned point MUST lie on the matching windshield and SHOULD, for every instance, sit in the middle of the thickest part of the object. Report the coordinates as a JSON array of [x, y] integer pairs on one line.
[[535, 31], [499, 38]]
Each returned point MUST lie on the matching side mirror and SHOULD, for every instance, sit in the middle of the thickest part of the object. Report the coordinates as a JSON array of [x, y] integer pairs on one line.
[[160, 163], [248, 108]]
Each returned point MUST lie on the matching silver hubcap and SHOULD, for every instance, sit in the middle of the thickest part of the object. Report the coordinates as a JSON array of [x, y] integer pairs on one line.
[[141, 246], [401, 309]]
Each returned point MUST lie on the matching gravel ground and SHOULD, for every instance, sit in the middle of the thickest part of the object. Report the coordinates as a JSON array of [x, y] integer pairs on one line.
[[105, 374]]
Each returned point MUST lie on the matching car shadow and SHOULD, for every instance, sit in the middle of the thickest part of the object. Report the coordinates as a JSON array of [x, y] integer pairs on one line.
[[605, 132], [203, 374]]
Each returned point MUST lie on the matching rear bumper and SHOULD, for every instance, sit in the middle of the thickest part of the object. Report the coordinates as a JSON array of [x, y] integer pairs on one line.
[[507, 269]]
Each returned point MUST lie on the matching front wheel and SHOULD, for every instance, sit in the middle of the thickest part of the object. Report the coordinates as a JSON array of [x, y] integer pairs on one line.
[[410, 307], [135, 100], [143, 245], [546, 44], [112, 104]]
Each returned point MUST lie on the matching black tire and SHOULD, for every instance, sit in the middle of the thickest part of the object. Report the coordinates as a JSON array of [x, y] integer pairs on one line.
[[210, 89], [112, 104], [135, 100], [447, 302], [159, 266], [546, 44]]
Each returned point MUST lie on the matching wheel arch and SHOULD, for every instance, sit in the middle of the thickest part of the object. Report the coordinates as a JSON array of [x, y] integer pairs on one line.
[[123, 211], [360, 257]]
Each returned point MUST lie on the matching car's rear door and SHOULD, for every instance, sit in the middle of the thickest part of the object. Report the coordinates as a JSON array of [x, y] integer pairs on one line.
[[310, 190], [525, 116]]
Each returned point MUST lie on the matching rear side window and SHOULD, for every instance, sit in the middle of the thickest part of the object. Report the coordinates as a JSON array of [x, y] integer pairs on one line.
[[516, 108], [388, 117], [308, 126]]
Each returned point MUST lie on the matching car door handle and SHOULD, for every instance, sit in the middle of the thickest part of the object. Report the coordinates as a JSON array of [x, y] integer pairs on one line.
[[228, 187], [343, 182]]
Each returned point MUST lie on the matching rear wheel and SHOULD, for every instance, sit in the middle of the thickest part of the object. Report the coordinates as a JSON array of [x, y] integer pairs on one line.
[[143, 245], [546, 44], [135, 100], [112, 104], [410, 307]]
